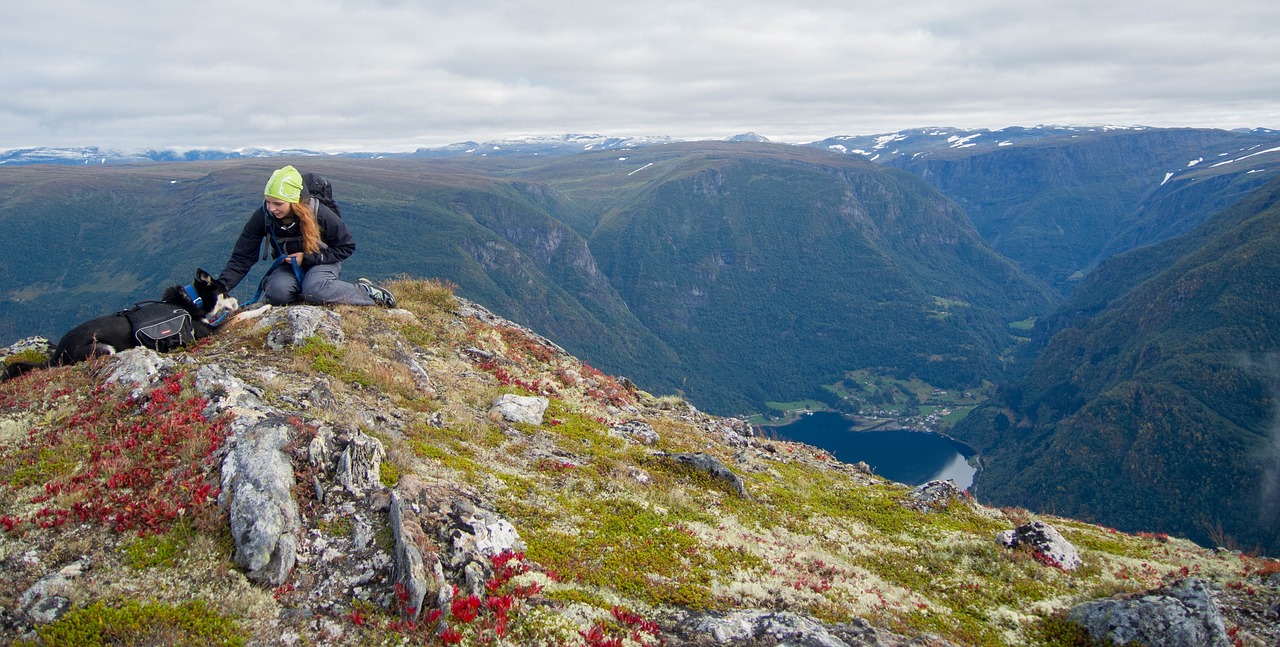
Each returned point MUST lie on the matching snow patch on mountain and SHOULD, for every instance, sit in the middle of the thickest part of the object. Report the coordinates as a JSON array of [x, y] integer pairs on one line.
[[1255, 154]]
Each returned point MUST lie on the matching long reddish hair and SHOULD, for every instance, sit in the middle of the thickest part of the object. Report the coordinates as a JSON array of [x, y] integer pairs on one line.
[[307, 223]]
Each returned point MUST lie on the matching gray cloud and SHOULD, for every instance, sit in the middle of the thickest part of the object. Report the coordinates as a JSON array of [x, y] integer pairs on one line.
[[347, 74]]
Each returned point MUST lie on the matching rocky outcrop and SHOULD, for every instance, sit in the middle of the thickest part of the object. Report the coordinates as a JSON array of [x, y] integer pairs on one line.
[[228, 394], [751, 628], [359, 465], [1184, 614], [293, 326], [257, 484], [636, 430], [420, 375], [712, 466], [46, 600], [139, 367], [34, 344], [736, 432], [1045, 542], [417, 571], [257, 474], [257, 478], [519, 408], [935, 495], [361, 498], [440, 537]]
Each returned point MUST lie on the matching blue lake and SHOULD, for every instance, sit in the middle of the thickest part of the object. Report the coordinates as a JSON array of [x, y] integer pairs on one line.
[[911, 457]]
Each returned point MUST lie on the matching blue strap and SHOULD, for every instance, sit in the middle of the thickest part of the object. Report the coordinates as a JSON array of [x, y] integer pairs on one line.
[[297, 274], [218, 322], [262, 285], [194, 296]]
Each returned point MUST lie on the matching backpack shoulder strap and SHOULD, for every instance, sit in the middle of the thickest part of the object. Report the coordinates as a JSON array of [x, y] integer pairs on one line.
[[271, 233]]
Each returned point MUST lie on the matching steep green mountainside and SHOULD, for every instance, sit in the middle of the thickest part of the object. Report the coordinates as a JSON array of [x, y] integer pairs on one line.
[[99, 239], [1189, 197], [1152, 405], [779, 272], [739, 272], [86, 241], [1057, 205]]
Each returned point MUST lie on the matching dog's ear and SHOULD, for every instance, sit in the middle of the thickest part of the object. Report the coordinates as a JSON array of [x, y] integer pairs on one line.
[[203, 277]]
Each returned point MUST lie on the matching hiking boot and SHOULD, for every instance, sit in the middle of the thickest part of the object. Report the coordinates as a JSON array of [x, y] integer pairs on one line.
[[380, 296]]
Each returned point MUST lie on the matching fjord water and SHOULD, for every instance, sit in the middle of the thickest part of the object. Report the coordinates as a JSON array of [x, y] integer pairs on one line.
[[911, 457]]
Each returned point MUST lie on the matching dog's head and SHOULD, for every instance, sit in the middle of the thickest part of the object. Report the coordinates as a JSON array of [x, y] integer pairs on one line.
[[212, 297]]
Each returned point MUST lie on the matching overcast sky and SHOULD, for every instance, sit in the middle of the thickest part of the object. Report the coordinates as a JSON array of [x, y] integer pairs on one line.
[[395, 75]]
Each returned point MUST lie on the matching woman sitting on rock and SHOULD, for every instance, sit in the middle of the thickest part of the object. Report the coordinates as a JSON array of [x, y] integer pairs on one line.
[[314, 241]]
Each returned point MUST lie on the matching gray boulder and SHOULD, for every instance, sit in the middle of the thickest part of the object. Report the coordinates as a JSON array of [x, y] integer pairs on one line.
[[441, 536], [736, 432], [138, 367], [711, 465], [417, 571], [360, 464], [1045, 541], [226, 392], [257, 488], [935, 495], [293, 326], [1184, 614], [420, 375], [637, 430], [45, 601], [753, 627], [780, 628], [37, 344], [518, 408], [478, 533]]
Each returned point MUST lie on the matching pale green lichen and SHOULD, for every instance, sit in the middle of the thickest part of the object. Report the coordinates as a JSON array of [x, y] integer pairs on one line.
[[620, 524]]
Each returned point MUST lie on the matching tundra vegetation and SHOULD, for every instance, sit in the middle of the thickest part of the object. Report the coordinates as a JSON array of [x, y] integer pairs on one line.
[[111, 493]]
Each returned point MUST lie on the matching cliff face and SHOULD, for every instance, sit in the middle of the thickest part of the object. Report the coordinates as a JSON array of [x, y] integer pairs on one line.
[[1059, 204], [1155, 381], [358, 475]]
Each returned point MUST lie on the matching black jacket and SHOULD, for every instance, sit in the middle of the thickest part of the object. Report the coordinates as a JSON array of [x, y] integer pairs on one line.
[[336, 243]]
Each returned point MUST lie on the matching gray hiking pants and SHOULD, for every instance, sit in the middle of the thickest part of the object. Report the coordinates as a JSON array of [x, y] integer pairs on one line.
[[320, 286]]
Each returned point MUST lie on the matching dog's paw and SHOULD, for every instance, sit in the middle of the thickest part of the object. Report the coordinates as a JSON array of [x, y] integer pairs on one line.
[[250, 315]]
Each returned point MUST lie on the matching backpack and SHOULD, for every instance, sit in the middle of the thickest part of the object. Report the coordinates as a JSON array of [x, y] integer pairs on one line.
[[320, 189], [160, 326]]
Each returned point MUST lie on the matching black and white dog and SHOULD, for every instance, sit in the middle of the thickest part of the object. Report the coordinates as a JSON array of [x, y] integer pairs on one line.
[[205, 300]]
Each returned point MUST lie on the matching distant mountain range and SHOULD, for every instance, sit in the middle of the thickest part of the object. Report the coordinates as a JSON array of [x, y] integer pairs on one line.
[[1059, 201], [742, 272], [533, 145], [1055, 199], [883, 147]]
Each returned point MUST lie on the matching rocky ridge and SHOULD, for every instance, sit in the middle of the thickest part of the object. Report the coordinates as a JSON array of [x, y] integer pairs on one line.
[[439, 474]]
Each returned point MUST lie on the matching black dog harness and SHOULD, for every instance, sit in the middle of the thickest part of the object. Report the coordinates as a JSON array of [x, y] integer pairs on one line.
[[160, 326]]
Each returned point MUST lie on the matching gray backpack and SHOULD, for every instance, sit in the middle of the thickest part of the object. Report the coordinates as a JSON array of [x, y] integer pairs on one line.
[[160, 326]]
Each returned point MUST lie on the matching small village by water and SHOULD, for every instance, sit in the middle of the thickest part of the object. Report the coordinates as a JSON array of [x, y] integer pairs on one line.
[[902, 455], [896, 426]]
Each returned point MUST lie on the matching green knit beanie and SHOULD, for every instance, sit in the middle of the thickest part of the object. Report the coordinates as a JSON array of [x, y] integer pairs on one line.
[[285, 184]]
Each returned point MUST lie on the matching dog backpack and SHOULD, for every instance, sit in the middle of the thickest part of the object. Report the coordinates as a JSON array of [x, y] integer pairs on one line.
[[160, 326]]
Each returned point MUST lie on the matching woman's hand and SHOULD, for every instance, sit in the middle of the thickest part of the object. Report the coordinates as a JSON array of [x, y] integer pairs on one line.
[[295, 259]]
